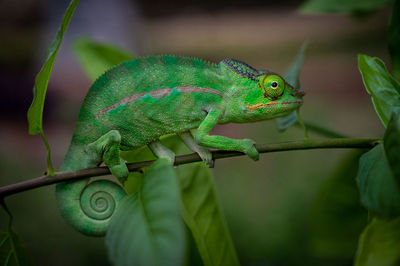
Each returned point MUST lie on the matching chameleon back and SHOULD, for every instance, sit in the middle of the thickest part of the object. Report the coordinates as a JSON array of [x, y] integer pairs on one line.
[[131, 98]]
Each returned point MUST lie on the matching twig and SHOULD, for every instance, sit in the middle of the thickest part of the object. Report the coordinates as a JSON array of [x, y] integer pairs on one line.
[[190, 158]]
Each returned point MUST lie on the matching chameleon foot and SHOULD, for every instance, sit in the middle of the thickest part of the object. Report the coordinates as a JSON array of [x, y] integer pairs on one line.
[[203, 152], [108, 146], [250, 150], [160, 151], [206, 156], [120, 171]]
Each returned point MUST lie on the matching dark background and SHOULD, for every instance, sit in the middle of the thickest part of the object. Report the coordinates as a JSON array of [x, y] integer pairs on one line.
[[276, 208]]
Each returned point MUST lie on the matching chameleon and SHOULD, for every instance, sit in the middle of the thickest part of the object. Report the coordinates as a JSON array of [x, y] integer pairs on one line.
[[136, 102]]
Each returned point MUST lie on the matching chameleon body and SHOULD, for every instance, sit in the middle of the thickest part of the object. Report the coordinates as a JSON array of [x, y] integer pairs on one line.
[[136, 102]]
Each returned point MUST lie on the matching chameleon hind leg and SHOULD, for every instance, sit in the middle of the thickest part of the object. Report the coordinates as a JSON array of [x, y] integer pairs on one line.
[[108, 147], [160, 151], [203, 152], [89, 206]]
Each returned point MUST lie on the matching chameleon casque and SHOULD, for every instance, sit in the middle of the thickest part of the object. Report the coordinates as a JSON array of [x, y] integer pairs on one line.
[[136, 102]]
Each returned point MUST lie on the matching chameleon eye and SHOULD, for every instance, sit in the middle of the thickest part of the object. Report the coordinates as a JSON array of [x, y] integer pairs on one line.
[[273, 86]]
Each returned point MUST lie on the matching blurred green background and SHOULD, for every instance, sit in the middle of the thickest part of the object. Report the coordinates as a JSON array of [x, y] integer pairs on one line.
[[290, 208]]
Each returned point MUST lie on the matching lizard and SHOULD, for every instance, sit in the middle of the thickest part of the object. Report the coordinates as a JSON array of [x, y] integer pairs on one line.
[[136, 102]]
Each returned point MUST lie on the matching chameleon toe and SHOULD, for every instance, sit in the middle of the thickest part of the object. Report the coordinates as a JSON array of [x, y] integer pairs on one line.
[[120, 172]]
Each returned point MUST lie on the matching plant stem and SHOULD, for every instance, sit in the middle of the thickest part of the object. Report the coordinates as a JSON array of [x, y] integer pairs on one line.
[[347, 143], [322, 130], [50, 168]]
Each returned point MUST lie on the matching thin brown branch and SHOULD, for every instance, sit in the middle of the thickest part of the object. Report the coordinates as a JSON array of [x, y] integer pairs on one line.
[[189, 158]]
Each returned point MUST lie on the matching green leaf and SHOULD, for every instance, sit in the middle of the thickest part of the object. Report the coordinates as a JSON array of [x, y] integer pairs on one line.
[[96, 58], [380, 243], [292, 77], [147, 228], [391, 142], [12, 251], [379, 192], [342, 6], [394, 39], [337, 204], [383, 88], [35, 112], [203, 216], [284, 122], [292, 74]]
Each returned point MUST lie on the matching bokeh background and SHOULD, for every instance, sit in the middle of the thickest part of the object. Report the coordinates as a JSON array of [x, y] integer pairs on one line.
[[291, 208]]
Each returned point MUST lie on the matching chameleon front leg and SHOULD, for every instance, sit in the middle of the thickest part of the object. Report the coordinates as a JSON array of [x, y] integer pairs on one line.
[[160, 151], [203, 152], [108, 147], [203, 138]]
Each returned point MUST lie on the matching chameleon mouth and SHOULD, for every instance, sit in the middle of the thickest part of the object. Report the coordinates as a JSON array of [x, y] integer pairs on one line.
[[259, 105]]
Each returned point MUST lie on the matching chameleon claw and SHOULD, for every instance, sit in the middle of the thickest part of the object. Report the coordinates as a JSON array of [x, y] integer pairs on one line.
[[160, 151], [251, 150], [206, 155], [120, 172]]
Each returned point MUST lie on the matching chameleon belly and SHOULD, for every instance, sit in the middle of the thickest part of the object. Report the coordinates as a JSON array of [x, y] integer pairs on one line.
[[138, 128]]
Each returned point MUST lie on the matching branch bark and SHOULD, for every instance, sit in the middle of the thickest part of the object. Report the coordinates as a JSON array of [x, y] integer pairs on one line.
[[348, 143]]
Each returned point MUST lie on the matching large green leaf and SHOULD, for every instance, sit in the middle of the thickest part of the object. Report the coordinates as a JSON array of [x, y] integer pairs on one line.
[[337, 204], [379, 192], [147, 228], [292, 77], [284, 122], [35, 112], [394, 39], [342, 6], [391, 143], [383, 88], [12, 252], [204, 217], [380, 243], [96, 58]]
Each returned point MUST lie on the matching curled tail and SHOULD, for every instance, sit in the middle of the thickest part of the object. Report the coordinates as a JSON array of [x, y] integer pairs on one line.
[[88, 207]]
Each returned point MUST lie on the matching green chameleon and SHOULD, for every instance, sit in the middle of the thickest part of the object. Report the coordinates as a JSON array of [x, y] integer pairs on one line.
[[136, 102]]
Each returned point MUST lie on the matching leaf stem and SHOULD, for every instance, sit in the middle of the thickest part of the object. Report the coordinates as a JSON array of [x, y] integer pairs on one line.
[[5, 208], [307, 144], [301, 123], [50, 168]]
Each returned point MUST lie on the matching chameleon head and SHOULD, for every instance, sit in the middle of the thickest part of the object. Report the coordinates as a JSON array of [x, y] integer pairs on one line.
[[271, 97], [257, 94]]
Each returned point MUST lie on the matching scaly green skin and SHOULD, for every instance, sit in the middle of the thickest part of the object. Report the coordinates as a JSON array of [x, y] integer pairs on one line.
[[136, 102]]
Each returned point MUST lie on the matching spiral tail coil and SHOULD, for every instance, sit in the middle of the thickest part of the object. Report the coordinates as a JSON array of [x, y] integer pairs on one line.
[[89, 207]]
